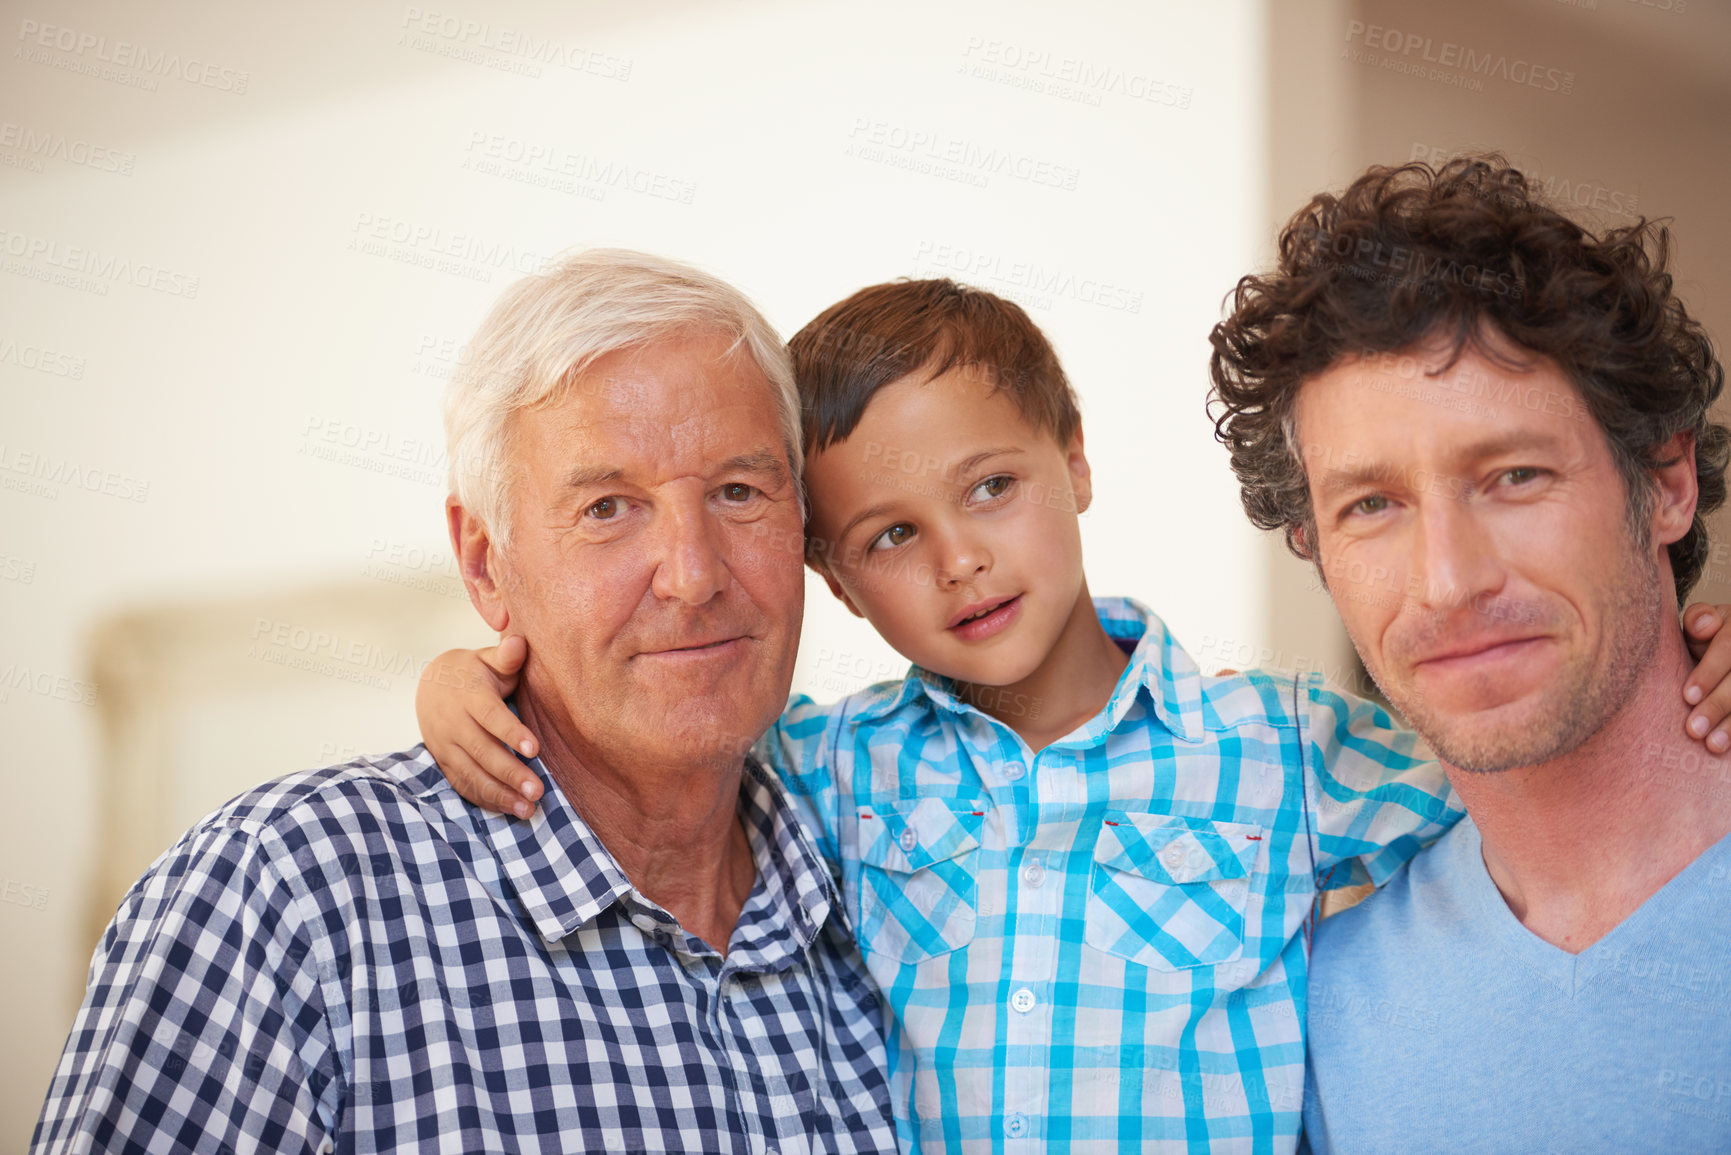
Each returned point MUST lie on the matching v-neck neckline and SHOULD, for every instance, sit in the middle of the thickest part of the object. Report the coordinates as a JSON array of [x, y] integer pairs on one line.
[[1569, 972]]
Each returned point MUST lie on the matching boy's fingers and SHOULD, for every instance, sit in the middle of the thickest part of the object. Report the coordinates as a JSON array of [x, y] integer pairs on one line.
[[509, 654], [474, 784], [1712, 647], [497, 719], [501, 767]]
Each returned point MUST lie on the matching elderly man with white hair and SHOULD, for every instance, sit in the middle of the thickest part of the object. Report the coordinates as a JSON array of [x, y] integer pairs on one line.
[[354, 958]]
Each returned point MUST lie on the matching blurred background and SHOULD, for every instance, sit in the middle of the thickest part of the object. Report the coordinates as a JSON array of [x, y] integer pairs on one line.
[[243, 247]]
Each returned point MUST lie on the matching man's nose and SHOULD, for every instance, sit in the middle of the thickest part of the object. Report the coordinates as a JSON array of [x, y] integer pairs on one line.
[[692, 566], [1456, 559]]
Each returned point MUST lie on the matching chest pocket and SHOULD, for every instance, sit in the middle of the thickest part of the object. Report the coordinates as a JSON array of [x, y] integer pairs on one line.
[[918, 887], [1170, 892]]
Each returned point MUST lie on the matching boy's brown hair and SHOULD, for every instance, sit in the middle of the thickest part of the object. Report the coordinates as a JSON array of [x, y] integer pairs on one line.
[[886, 332]]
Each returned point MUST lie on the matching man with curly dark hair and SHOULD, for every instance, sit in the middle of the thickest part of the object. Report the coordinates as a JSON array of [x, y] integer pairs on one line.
[[1489, 429]]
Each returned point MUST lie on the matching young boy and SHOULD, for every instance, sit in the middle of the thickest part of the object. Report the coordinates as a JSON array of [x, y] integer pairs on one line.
[[1080, 871]]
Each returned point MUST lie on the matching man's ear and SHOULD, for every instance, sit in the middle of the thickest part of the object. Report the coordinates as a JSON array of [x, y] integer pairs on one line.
[[478, 562], [1674, 490], [1081, 475]]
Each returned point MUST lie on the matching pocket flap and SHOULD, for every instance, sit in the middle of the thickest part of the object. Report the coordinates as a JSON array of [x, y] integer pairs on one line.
[[1166, 848], [909, 834]]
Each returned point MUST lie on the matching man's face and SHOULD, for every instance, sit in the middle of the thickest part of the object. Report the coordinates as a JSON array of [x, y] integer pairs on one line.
[[950, 523], [1473, 531], [655, 557]]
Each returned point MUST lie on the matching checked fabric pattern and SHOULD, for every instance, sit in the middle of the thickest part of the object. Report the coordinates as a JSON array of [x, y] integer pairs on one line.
[[354, 959], [1102, 947]]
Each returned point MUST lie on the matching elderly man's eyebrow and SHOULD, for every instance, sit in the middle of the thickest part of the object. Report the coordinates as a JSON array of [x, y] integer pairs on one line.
[[764, 461], [585, 476]]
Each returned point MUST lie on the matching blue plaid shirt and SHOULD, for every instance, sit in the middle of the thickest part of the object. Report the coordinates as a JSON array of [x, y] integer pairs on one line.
[[1103, 947], [354, 959]]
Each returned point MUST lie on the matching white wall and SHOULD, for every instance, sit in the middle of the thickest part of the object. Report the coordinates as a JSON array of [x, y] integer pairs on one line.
[[200, 414]]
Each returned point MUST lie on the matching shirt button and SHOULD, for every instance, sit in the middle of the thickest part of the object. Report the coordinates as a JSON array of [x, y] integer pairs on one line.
[[1022, 1001], [909, 839], [1013, 771], [327, 1147], [1172, 856], [1034, 874], [1016, 1125]]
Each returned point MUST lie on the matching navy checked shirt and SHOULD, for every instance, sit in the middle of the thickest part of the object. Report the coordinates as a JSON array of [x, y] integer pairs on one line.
[[355, 959]]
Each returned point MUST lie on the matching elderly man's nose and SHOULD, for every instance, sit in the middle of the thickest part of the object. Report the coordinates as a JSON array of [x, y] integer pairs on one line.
[[691, 567]]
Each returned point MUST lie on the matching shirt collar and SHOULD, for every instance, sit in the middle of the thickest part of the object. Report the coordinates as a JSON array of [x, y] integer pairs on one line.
[[1158, 665], [564, 876]]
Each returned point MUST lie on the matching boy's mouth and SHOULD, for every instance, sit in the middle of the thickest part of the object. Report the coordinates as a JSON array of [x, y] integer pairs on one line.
[[983, 619]]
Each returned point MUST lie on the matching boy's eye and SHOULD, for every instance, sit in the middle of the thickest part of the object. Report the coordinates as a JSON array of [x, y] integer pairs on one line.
[[898, 534], [994, 486], [738, 491]]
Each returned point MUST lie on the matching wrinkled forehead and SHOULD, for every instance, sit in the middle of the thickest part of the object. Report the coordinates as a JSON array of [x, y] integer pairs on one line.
[[685, 405]]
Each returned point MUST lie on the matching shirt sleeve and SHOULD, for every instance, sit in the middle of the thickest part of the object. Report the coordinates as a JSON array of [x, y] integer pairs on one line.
[[1376, 793], [800, 748], [202, 1026]]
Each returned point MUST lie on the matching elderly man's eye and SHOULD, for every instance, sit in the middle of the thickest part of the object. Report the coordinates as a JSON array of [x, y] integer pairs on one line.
[[738, 491], [607, 507]]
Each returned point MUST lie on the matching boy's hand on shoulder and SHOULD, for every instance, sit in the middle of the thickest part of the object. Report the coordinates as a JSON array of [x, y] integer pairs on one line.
[[471, 733], [1708, 686]]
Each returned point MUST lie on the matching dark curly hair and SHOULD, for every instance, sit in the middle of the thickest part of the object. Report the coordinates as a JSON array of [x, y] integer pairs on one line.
[[1412, 253]]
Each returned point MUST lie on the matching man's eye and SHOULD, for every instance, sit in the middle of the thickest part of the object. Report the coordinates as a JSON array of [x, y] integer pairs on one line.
[[1376, 503], [994, 486], [898, 534], [738, 491], [1520, 475], [606, 508]]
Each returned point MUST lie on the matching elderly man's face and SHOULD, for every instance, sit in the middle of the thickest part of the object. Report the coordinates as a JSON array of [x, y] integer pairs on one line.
[[1473, 532], [655, 560]]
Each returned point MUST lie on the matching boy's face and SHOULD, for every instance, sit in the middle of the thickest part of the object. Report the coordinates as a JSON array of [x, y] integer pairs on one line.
[[950, 524]]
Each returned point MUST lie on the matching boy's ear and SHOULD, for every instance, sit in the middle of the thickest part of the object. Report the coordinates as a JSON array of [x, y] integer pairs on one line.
[[477, 561], [823, 571], [1081, 477]]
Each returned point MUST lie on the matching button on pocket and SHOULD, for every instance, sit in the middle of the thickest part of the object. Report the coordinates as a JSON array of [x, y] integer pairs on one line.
[[918, 889], [1170, 892]]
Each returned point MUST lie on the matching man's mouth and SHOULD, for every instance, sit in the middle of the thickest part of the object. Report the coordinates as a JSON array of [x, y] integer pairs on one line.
[[697, 649]]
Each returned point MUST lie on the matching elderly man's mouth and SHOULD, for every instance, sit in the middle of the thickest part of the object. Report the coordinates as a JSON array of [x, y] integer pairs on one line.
[[700, 651]]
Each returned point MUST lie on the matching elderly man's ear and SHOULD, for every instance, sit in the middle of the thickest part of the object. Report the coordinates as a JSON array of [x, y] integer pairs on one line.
[[478, 562]]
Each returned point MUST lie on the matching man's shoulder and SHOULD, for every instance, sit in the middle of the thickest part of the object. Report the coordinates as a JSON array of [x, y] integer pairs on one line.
[[1424, 897], [348, 812]]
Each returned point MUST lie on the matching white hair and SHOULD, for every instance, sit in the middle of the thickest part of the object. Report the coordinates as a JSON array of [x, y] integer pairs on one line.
[[550, 327]]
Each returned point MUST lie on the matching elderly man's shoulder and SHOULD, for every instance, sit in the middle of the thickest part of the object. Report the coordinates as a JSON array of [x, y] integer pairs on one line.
[[358, 817], [371, 789]]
